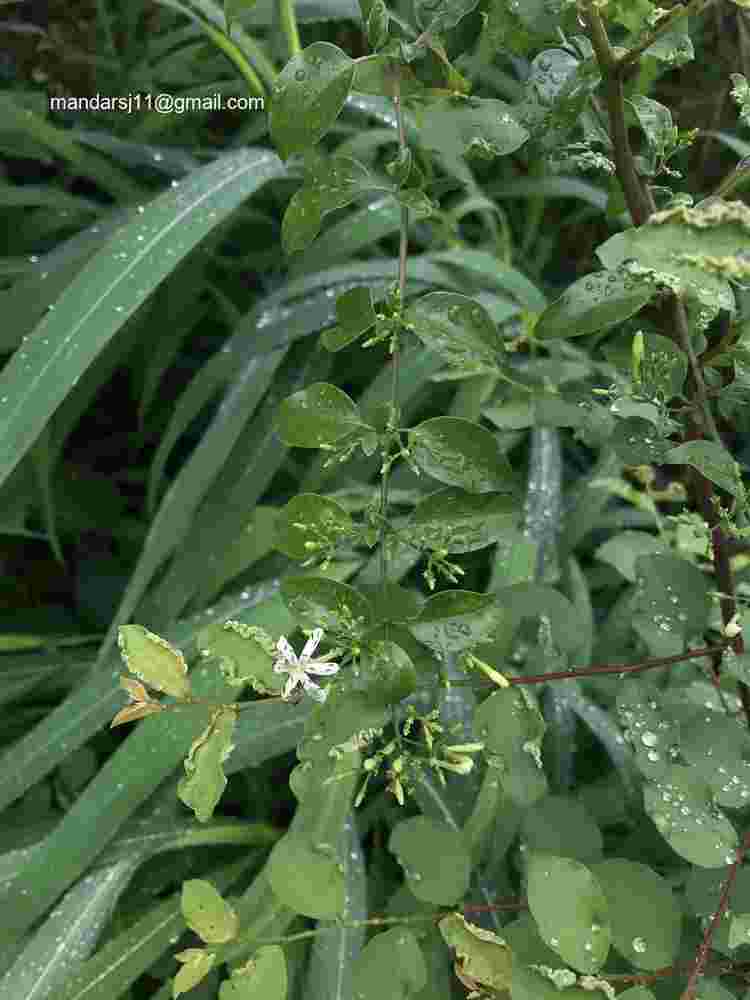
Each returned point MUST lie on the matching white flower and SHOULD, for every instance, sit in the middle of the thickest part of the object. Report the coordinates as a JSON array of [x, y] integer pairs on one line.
[[298, 668]]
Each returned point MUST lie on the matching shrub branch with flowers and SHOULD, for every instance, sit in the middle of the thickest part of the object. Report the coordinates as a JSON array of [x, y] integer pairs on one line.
[[433, 696]]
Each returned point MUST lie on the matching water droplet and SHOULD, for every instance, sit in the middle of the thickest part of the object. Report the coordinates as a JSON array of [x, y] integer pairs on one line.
[[639, 945]]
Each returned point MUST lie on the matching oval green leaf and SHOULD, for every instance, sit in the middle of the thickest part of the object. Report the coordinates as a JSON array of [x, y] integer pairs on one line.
[[309, 524], [435, 859], [317, 417], [459, 452], [154, 660], [306, 879], [596, 302], [462, 522], [308, 97]]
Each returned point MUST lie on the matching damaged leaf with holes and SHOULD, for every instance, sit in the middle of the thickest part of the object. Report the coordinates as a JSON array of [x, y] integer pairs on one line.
[[204, 780]]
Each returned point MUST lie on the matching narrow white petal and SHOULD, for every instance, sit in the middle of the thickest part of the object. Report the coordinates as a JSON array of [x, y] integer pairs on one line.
[[313, 690], [312, 644], [290, 685], [321, 668], [286, 650]]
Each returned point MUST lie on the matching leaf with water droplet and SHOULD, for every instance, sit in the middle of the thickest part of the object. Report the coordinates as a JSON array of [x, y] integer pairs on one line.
[[682, 809], [305, 879], [593, 303], [318, 416], [671, 602], [644, 913], [452, 126], [308, 97], [567, 902], [317, 602], [455, 620], [458, 328], [457, 521], [460, 453], [435, 859]]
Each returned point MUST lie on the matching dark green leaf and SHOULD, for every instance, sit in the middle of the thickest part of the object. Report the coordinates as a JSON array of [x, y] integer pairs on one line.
[[460, 453]]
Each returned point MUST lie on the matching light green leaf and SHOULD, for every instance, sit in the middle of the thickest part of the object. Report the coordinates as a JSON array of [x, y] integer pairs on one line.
[[460, 453], [196, 965], [570, 909], [263, 977], [596, 302], [482, 955], [308, 97], [204, 780], [206, 913], [318, 417], [462, 522], [355, 315], [644, 912], [111, 287], [439, 17], [435, 859], [305, 876], [693, 251], [154, 660], [391, 967]]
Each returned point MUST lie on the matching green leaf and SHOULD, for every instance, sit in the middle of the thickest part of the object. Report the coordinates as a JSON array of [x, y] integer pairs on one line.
[[596, 302], [206, 913], [636, 441], [308, 97], [355, 315], [558, 824], [439, 16], [204, 780], [435, 859], [317, 602], [693, 251], [458, 126], [154, 660], [644, 913], [480, 953], [460, 453], [622, 551], [510, 724], [458, 328], [325, 522], [263, 977], [391, 967], [196, 965], [318, 417], [389, 672], [570, 909], [330, 183], [671, 602], [682, 809], [305, 876], [455, 620], [462, 522], [114, 283], [711, 460], [246, 653]]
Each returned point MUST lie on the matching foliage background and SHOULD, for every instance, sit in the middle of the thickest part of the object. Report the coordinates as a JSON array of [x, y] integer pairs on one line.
[[155, 475]]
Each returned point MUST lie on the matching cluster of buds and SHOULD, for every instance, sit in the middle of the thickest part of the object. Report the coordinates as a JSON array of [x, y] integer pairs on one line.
[[402, 765], [440, 564]]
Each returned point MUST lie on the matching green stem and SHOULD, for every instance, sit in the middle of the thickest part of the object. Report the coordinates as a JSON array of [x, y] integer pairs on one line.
[[289, 26], [233, 53]]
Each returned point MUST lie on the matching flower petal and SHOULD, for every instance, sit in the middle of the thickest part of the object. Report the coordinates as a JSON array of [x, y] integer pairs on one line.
[[312, 644], [320, 667], [286, 650], [318, 693], [290, 685]]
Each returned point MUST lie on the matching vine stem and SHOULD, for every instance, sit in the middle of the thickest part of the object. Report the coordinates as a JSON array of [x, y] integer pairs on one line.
[[403, 250]]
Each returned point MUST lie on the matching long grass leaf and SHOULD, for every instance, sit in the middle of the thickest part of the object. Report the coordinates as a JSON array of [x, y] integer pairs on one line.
[[111, 287]]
